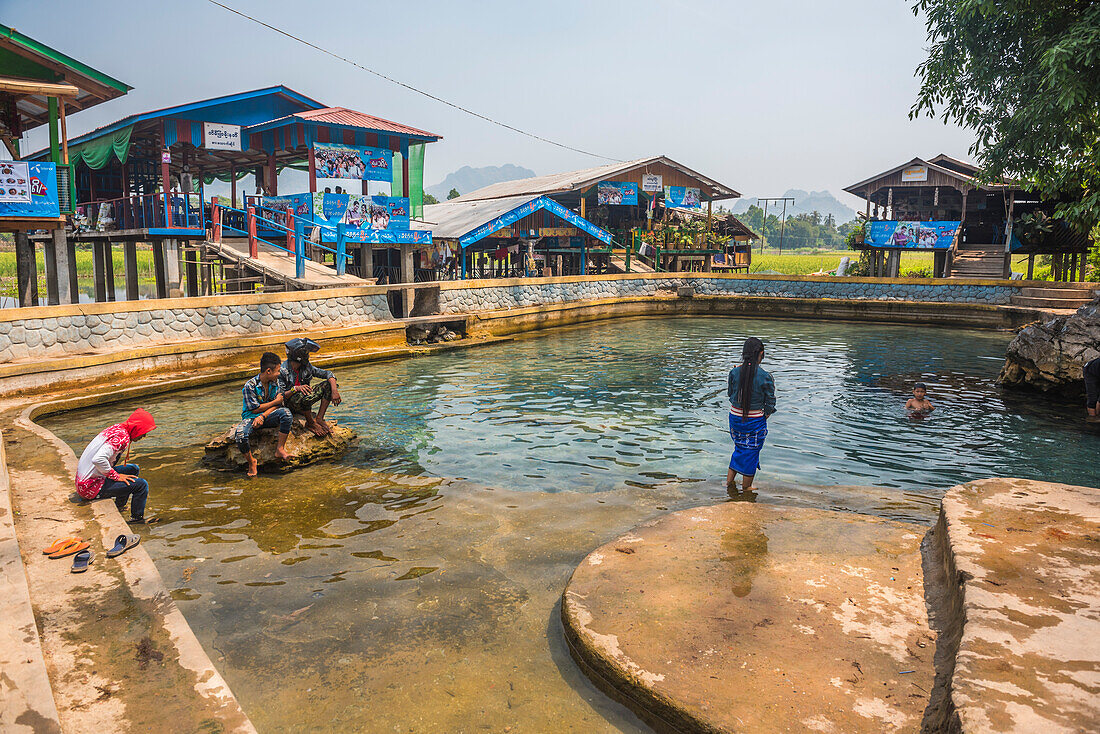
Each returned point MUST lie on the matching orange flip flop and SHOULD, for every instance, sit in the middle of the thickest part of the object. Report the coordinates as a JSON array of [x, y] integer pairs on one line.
[[59, 544], [70, 548]]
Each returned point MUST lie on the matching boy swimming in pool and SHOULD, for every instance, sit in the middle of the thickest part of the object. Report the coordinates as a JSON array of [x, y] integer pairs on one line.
[[920, 403]]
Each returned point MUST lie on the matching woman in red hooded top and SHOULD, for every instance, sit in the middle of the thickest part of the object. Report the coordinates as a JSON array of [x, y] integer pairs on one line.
[[99, 475]]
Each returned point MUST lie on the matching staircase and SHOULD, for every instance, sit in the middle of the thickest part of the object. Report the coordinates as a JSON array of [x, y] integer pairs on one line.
[[1057, 296], [618, 263], [978, 261]]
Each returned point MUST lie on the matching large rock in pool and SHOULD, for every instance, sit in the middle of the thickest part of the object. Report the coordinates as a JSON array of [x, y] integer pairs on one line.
[[304, 448], [1051, 355]]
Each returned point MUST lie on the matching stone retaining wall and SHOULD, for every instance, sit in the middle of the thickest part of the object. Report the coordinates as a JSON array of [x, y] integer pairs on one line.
[[480, 298], [59, 331], [79, 330]]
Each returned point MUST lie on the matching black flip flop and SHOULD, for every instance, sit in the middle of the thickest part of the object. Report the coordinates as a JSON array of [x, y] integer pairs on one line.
[[143, 520], [81, 561], [123, 543]]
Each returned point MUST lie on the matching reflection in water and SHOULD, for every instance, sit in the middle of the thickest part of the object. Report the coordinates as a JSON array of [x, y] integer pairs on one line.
[[412, 584]]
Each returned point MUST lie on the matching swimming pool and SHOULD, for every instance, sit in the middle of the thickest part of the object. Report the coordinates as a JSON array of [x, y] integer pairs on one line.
[[413, 584]]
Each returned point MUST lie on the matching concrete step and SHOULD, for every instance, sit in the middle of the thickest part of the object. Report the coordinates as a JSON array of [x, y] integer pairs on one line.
[[1058, 303], [1057, 292]]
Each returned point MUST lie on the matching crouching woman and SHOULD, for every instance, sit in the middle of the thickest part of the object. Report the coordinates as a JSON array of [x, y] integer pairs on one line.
[[751, 392], [98, 473]]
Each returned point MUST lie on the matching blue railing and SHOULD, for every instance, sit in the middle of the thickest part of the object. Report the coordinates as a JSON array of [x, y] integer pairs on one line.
[[292, 225]]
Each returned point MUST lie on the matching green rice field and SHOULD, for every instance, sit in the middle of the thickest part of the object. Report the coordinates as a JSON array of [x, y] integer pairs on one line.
[[806, 264]]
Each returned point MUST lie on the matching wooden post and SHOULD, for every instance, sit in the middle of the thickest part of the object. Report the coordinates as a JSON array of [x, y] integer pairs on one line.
[[26, 269], [253, 247], [191, 271], [64, 134], [215, 220], [233, 186], [129, 260], [109, 270], [160, 271], [312, 170], [165, 172], [99, 276], [49, 251], [55, 139]]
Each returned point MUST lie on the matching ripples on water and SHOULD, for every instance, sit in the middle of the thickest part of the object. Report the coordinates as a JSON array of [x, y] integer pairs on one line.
[[412, 585]]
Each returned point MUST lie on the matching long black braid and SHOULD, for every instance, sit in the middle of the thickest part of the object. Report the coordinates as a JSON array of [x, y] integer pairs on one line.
[[751, 355]]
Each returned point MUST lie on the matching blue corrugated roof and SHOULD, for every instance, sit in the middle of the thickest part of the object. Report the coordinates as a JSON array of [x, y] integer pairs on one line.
[[303, 101]]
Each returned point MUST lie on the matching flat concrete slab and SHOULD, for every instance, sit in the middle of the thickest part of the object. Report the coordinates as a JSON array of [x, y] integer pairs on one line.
[[1026, 555], [757, 618]]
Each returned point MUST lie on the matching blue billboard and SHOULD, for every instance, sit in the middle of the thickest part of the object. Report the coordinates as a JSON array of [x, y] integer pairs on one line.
[[683, 197], [617, 192], [28, 189], [368, 218], [911, 235], [353, 161]]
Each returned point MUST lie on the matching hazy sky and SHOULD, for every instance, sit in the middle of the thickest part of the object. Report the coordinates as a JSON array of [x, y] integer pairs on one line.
[[762, 96]]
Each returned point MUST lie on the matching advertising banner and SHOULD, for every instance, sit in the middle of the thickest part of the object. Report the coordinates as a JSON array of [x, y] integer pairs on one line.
[[617, 192], [682, 197], [368, 218], [30, 190], [352, 161], [217, 136], [652, 183], [912, 235], [300, 204]]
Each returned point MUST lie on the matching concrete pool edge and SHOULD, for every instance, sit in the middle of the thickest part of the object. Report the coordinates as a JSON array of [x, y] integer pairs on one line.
[[992, 606], [210, 700]]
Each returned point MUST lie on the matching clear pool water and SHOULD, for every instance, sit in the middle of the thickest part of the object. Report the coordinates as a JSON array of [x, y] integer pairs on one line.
[[413, 585]]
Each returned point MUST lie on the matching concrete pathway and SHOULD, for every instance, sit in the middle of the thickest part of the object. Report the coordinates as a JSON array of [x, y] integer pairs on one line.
[[118, 652], [279, 265], [1025, 556], [756, 618]]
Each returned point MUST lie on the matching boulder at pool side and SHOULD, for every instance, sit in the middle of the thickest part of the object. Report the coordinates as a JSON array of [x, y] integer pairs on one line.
[[304, 448], [1051, 355]]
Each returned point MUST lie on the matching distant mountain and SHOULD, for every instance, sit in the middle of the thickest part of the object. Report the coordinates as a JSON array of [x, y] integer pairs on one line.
[[467, 179], [804, 203]]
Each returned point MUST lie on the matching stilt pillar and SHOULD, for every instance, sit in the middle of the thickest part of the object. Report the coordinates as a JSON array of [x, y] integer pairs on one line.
[[109, 269], [129, 261], [99, 275], [172, 267], [26, 270]]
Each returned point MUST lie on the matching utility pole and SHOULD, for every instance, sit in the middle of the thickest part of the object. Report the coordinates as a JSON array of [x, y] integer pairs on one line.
[[782, 222]]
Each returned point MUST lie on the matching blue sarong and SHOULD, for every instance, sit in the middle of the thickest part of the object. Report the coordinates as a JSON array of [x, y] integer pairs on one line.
[[748, 438]]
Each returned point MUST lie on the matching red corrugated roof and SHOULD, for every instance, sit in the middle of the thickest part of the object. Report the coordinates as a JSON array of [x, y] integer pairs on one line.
[[344, 116]]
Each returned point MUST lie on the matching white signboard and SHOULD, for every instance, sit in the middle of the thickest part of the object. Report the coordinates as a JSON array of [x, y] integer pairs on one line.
[[221, 137], [15, 182], [652, 183], [914, 173]]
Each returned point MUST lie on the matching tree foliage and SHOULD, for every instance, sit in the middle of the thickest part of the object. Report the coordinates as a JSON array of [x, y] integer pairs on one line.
[[453, 194], [803, 231], [429, 199], [1024, 75]]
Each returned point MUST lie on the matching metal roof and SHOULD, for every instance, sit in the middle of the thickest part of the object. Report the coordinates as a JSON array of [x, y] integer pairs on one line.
[[182, 109], [586, 177], [25, 58], [952, 167], [452, 219], [352, 118]]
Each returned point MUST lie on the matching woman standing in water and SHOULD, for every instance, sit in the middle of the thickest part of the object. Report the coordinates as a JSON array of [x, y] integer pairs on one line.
[[751, 392]]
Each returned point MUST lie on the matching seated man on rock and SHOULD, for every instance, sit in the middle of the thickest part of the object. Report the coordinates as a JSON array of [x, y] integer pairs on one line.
[[294, 380], [263, 408]]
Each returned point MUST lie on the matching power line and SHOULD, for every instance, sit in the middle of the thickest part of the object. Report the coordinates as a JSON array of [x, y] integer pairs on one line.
[[400, 83]]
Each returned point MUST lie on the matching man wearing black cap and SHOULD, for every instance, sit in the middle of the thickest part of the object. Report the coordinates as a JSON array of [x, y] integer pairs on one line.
[[294, 378]]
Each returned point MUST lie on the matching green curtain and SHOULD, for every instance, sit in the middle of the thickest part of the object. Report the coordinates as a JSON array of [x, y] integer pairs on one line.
[[416, 180], [397, 186], [225, 177], [97, 153]]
